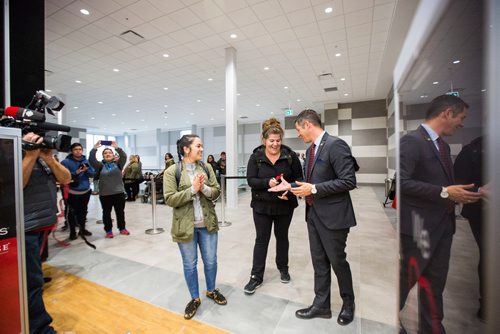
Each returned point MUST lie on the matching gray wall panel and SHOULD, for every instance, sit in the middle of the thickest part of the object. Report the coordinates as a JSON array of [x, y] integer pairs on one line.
[[372, 165], [375, 108], [369, 137], [219, 131], [331, 116], [345, 126]]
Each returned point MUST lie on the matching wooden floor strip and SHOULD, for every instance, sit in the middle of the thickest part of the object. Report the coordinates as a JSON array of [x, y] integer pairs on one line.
[[80, 306]]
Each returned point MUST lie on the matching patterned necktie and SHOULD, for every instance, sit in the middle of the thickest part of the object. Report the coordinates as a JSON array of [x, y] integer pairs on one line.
[[445, 158], [309, 199]]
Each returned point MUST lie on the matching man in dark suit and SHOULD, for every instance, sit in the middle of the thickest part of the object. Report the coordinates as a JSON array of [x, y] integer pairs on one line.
[[330, 175], [428, 196]]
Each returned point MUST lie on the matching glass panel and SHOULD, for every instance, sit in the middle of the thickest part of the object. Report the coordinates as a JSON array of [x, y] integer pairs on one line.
[[440, 175]]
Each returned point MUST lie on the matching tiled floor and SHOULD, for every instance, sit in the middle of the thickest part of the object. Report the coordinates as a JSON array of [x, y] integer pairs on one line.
[[148, 267]]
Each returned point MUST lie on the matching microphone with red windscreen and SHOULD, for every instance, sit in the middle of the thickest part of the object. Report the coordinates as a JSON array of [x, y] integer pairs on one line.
[[22, 113]]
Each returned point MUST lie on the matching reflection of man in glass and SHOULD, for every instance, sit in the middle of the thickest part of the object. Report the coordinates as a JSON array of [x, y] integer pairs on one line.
[[469, 169], [428, 196]]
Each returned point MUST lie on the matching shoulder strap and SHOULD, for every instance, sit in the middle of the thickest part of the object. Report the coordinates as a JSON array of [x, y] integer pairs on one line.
[[178, 170]]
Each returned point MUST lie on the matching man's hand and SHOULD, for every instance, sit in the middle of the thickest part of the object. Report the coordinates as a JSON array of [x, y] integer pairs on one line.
[[303, 189], [32, 138], [460, 194]]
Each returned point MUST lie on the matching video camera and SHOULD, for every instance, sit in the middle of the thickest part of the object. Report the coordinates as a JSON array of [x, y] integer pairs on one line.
[[32, 119]]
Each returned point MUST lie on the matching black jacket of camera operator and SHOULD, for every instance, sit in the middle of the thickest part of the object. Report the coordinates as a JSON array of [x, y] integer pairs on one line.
[[40, 198]]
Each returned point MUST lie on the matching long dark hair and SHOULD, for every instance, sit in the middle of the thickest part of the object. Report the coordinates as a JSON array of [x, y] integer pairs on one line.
[[185, 141]]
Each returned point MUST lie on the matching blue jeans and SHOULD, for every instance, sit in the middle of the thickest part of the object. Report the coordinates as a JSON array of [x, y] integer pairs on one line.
[[39, 319], [189, 251]]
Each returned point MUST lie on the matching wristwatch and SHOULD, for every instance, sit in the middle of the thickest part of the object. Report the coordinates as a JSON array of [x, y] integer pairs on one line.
[[313, 189], [444, 193]]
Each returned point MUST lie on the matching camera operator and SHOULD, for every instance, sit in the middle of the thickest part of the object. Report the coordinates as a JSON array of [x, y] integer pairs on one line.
[[40, 173], [79, 189]]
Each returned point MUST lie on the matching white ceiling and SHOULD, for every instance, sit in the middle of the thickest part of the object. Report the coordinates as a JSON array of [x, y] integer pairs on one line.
[[296, 39]]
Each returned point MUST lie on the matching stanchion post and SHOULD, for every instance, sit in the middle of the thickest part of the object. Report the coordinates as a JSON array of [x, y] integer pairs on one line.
[[223, 223], [154, 230]]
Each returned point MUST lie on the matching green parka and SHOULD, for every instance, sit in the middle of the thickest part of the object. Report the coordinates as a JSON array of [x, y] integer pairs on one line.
[[181, 200]]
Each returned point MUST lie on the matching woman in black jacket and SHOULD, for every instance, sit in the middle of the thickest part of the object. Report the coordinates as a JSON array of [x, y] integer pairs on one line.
[[267, 165]]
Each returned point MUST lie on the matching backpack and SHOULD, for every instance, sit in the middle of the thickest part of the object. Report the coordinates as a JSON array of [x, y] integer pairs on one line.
[[178, 170]]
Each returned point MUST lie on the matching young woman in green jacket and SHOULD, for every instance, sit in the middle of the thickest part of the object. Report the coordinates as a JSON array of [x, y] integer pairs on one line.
[[190, 193]]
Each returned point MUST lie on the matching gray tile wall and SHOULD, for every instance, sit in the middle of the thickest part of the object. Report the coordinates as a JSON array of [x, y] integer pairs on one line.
[[361, 125]]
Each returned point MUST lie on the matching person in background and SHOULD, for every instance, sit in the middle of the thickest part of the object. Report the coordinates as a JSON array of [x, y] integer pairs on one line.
[[111, 189], [194, 224], [169, 160], [268, 163], [132, 176], [40, 174], [468, 169], [222, 163], [79, 190], [213, 163]]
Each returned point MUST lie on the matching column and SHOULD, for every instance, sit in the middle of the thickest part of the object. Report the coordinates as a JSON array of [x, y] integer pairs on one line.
[[231, 128]]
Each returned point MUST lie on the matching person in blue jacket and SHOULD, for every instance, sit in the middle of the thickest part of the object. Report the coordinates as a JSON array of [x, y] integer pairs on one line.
[[79, 189]]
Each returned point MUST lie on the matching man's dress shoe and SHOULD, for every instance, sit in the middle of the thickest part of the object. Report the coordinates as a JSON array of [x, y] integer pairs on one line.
[[346, 314], [313, 312]]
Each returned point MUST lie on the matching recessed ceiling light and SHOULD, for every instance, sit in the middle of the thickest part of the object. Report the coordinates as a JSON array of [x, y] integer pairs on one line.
[[233, 36], [257, 105], [104, 128], [483, 90], [456, 61], [272, 112], [286, 87], [116, 70], [122, 123], [137, 110], [129, 95], [113, 114], [92, 117], [266, 68], [165, 88], [75, 107], [212, 119], [298, 100], [346, 94], [84, 11], [165, 116], [48, 90], [342, 79], [338, 54], [222, 109], [423, 96], [191, 113], [73, 121], [142, 120], [198, 100], [210, 79], [165, 105], [78, 81], [328, 10], [166, 55], [100, 102], [238, 94], [435, 82]]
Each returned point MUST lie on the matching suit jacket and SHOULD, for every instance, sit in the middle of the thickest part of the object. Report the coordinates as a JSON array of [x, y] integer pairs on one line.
[[422, 176], [334, 176]]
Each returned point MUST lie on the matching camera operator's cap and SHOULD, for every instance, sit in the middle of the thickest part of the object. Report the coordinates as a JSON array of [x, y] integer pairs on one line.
[[75, 145]]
